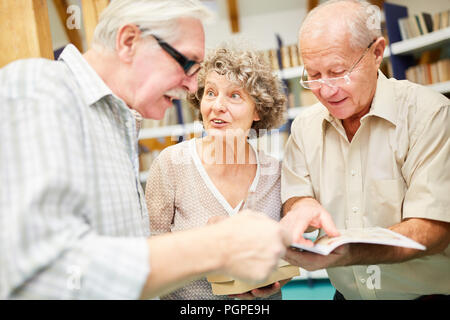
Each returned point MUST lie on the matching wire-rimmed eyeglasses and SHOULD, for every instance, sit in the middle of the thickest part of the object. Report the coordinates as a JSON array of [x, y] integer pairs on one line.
[[190, 67], [331, 82]]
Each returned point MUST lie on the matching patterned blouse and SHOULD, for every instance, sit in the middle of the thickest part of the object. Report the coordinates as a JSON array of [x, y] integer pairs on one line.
[[180, 195]]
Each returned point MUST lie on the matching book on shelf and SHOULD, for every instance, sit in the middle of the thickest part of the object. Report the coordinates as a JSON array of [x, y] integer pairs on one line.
[[374, 235], [429, 73], [180, 113], [422, 24], [402, 26], [289, 54]]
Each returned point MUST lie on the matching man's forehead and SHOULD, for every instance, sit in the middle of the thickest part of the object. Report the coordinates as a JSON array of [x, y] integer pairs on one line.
[[192, 39], [326, 45]]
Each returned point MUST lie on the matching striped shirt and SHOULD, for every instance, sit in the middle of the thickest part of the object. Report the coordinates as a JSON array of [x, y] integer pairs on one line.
[[73, 218]]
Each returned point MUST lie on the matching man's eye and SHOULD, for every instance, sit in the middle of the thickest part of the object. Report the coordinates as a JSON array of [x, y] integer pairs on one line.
[[338, 73], [236, 96], [209, 93]]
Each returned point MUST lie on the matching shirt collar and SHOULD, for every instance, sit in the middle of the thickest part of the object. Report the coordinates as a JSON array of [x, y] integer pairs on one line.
[[382, 105], [93, 88]]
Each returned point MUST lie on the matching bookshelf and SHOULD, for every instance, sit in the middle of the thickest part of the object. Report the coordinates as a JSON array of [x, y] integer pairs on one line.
[[409, 37], [289, 73], [397, 49], [171, 131], [442, 87], [429, 41]]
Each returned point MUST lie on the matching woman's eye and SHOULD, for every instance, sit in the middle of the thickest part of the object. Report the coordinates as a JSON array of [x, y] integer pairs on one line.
[[209, 93]]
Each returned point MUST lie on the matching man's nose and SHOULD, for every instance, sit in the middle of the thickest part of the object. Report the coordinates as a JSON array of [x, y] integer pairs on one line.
[[327, 91], [190, 83]]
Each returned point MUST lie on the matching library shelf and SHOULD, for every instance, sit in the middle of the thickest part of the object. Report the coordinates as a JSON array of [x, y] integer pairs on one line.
[[442, 87], [289, 73], [171, 130], [428, 41]]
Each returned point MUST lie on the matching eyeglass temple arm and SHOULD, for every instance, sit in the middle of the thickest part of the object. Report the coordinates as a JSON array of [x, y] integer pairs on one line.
[[360, 58]]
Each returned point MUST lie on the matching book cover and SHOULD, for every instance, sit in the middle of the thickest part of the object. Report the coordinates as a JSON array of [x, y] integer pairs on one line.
[[419, 25], [436, 21], [404, 28], [428, 21]]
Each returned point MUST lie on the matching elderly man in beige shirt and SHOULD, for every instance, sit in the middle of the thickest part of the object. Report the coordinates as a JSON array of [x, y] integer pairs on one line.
[[373, 152]]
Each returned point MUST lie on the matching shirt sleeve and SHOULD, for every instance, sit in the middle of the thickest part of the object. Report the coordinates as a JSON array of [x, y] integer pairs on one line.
[[295, 178], [160, 195], [49, 246], [427, 169]]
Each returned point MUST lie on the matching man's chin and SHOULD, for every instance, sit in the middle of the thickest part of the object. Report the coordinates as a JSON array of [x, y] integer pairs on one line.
[[155, 113], [340, 113]]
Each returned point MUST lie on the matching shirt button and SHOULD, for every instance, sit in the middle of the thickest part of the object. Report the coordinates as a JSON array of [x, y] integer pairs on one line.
[[355, 209], [353, 172]]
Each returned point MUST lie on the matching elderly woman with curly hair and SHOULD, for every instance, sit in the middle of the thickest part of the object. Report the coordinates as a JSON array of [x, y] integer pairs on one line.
[[197, 181]]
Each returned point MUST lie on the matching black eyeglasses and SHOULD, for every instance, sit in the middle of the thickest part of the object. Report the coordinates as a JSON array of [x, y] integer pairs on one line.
[[190, 67]]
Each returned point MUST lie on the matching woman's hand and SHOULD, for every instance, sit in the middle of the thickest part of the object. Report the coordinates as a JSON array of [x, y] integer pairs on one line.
[[263, 292]]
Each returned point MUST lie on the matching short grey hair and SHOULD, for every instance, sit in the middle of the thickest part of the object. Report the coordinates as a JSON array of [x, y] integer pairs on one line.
[[364, 27], [158, 16]]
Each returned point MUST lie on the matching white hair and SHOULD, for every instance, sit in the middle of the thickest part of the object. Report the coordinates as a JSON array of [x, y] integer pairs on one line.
[[157, 16], [364, 26]]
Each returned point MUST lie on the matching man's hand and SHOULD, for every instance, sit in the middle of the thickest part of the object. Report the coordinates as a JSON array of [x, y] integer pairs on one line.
[[252, 245], [304, 213], [313, 261]]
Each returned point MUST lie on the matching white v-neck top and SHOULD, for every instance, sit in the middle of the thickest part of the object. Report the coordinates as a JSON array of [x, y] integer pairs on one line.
[[210, 185], [180, 195]]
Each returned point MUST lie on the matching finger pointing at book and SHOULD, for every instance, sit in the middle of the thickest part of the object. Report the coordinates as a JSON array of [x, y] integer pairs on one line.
[[303, 214]]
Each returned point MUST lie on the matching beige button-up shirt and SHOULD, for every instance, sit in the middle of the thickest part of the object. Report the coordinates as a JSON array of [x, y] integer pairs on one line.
[[397, 166]]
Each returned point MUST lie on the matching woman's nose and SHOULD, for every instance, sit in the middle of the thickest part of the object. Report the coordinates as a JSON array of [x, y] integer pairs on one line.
[[219, 104]]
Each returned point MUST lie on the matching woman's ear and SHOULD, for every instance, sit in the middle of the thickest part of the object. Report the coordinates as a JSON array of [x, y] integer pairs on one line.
[[256, 116], [126, 42]]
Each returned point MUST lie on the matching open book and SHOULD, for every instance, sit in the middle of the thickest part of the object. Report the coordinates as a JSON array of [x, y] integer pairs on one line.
[[375, 235]]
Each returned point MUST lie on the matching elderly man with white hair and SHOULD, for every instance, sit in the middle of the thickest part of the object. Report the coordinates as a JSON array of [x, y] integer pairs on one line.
[[374, 152], [73, 218]]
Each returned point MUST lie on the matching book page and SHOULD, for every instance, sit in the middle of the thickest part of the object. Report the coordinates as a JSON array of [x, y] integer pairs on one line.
[[374, 235]]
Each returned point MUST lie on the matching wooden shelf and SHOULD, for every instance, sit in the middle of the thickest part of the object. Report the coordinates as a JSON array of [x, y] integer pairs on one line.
[[171, 131], [442, 87], [290, 73], [426, 42]]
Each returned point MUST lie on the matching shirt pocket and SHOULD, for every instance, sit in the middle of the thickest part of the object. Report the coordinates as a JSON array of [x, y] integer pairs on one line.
[[385, 201]]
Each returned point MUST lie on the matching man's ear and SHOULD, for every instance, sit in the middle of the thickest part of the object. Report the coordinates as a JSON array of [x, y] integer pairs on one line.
[[380, 46], [126, 42]]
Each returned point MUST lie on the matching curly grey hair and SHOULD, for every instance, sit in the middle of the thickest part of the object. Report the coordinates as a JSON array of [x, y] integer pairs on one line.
[[248, 69]]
